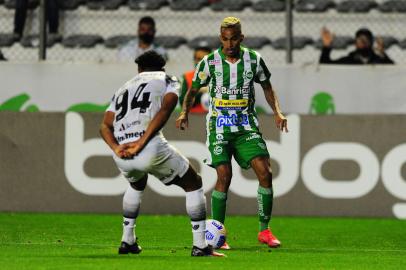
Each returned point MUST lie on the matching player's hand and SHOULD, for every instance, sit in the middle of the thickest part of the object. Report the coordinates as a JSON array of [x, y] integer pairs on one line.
[[121, 151], [135, 148], [182, 122], [326, 37], [281, 122]]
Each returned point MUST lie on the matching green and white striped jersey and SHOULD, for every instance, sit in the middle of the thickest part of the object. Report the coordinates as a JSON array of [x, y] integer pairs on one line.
[[231, 89]]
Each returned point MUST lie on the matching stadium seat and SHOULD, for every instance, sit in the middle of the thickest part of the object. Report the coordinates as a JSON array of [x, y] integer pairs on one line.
[[231, 5], [146, 4], [313, 5], [393, 6], [188, 5], [6, 40], [82, 41], [117, 41], [32, 41], [105, 4], [205, 41], [402, 44], [339, 42], [70, 4], [388, 41], [269, 6], [11, 4], [256, 42], [170, 42], [299, 42], [356, 6]]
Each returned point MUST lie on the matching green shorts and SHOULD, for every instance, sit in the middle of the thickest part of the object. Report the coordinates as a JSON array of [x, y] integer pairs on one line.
[[244, 146]]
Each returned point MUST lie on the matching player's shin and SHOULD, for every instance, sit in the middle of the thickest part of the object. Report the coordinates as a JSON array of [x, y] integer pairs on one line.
[[218, 205], [131, 207], [196, 209], [265, 201]]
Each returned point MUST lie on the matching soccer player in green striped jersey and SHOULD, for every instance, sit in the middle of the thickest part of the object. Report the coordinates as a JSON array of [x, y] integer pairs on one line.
[[232, 125]]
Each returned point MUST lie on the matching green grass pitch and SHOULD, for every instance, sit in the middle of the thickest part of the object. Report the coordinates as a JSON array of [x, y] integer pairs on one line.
[[87, 241]]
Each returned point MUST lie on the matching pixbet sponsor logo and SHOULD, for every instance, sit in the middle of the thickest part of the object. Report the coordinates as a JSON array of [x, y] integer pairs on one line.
[[286, 153], [232, 120]]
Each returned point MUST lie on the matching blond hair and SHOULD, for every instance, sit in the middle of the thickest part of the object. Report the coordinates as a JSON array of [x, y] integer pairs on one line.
[[229, 22]]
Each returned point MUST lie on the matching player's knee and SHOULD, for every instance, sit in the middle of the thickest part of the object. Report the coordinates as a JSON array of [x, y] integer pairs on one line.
[[198, 181], [225, 177], [224, 174], [265, 177]]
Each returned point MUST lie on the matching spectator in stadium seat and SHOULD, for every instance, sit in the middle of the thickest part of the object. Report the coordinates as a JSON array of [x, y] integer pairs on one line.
[[364, 52], [187, 78], [142, 43], [20, 16]]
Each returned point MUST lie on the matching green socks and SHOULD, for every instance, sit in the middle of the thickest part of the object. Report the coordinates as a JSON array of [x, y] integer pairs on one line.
[[265, 200], [218, 205]]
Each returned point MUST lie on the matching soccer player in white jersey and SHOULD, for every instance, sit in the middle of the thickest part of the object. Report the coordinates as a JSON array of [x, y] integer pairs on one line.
[[232, 125], [132, 128]]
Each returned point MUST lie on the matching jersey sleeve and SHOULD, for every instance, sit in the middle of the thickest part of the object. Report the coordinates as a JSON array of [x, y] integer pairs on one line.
[[111, 108], [172, 85], [202, 75], [263, 73]]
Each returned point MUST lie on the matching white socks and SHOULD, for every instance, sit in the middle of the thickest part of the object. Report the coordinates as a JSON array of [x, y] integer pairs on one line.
[[128, 231], [131, 207], [196, 209]]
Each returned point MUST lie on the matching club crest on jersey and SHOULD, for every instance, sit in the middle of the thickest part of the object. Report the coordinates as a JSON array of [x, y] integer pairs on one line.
[[247, 75], [214, 62], [218, 150], [218, 74], [232, 120]]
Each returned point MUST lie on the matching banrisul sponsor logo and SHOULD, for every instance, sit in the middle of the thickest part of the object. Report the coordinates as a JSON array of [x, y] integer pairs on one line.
[[232, 120], [233, 91]]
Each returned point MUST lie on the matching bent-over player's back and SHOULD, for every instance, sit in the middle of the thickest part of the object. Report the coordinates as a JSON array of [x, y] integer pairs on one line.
[[137, 102]]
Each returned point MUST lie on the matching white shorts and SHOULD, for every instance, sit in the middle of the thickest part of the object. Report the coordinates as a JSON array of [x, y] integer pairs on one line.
[[158, 158]]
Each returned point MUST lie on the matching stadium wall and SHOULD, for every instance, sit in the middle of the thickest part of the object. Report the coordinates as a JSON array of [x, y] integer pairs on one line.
[[343, 165], [301, 89]]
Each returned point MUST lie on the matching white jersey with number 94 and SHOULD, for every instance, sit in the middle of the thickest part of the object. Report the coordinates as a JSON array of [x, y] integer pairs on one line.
[[137, 102]]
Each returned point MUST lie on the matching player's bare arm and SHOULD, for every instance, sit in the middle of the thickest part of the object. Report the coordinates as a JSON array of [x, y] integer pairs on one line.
[[107, 133], [168, 105], [272, 99], [183, 122]]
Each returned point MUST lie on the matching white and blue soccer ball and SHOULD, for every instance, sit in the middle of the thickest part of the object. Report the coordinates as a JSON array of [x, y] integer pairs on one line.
[[215, 233]]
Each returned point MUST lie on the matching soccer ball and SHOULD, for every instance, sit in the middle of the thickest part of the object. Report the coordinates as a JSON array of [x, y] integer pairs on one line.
[[215, 233]]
